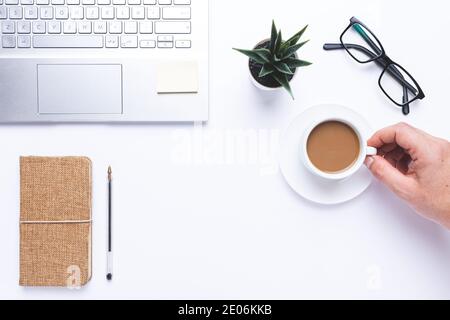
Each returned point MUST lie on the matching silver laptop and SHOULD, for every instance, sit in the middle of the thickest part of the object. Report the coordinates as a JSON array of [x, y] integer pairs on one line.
[[104, 61]]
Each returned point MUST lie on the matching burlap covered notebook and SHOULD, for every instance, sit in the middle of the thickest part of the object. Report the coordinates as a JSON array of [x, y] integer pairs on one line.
[[55, 221]]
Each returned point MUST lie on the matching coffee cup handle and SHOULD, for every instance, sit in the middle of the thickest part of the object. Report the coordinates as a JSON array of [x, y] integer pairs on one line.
[[370, 151]]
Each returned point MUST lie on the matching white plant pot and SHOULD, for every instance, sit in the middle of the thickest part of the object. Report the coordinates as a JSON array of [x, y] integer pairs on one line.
[[264, 88]]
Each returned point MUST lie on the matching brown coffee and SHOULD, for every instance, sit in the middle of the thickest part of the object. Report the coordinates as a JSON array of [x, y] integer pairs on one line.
[[333, 147]]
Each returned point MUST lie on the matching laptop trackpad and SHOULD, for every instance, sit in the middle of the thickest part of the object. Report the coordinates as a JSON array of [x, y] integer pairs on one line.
[[79, 89]]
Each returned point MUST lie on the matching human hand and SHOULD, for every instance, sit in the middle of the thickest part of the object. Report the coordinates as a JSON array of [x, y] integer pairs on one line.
[[416, 167]]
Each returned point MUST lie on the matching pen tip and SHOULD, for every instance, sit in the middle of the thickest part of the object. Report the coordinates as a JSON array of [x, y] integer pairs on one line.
[[109, 276], [109, 173]]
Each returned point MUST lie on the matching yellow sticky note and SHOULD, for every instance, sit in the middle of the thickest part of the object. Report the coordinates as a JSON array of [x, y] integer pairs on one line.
[[177, 77]]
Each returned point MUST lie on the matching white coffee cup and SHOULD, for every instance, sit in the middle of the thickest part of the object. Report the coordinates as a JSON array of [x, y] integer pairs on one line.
[[365, 151]]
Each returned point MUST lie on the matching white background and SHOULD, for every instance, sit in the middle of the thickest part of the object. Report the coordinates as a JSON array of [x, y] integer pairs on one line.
[[214, 229]]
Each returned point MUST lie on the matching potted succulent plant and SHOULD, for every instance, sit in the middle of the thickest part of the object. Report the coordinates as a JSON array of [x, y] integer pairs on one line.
[[274, 62]]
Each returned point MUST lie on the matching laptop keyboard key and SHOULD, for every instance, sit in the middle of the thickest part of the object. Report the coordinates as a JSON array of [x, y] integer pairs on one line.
[[64, 41], [177, 13], [39, 27], [112, 41], [23, 27], [70, 27], [3, 14], [15, 12], [9, 41], [128, 41], [8, 27], [31, 13], [172, 27], [23, 42]]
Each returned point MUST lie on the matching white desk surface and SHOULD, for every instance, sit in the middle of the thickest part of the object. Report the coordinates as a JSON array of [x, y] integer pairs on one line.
[[212, 228]]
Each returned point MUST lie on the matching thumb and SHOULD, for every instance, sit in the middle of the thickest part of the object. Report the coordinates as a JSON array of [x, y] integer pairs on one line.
[[401, 185]]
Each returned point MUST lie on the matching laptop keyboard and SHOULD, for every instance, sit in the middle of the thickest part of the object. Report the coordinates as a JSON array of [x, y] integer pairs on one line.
[[111, 24]]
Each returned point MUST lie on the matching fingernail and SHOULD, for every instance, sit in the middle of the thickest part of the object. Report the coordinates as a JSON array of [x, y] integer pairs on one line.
[[369, 161]]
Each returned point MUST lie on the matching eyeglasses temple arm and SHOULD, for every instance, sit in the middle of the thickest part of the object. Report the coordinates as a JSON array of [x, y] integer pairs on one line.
[[392, 71], [339, 46], [405, 108]]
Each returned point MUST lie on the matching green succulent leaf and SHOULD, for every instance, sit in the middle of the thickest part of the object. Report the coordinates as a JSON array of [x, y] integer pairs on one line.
[[282, 79], [293, 49], [278, 43], [273, 37], [265, 54], [266, 70], [261, 56], [295, 38], [297, 63], [283, 68]]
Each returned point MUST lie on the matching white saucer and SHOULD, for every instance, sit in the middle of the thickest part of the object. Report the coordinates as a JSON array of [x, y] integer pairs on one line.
[[301, 180]]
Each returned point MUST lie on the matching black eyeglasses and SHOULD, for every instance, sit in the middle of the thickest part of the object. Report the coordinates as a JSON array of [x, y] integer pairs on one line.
[[363, 46]]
